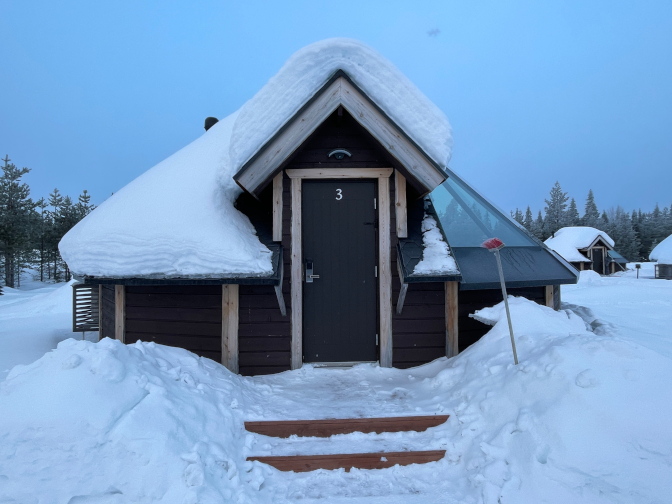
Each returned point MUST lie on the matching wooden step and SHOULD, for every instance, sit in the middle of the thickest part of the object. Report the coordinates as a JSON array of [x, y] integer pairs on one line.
[[327, 428], [381, 460]]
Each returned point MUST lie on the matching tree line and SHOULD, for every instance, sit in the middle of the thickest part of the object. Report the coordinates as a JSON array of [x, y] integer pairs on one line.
[[635, 234], [30, 230]]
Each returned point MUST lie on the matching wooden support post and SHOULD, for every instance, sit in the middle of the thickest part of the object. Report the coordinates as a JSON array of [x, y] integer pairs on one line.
[[403, 289], [278, 288], [296, 278], [230, 327], [120, 313], [400, 204], [452, 332], [277, 208], [385, 276], [548, 292]]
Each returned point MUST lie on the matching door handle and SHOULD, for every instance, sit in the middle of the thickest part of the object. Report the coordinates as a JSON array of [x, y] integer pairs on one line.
[[309, 272]]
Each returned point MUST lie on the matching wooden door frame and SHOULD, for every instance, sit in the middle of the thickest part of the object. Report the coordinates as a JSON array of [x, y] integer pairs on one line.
[[385, 268]]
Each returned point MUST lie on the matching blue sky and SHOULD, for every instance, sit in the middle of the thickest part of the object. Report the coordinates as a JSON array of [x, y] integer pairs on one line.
[[92, 94]]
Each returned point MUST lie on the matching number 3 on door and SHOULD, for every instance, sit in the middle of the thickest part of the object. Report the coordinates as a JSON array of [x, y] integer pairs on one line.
[[339, 194]]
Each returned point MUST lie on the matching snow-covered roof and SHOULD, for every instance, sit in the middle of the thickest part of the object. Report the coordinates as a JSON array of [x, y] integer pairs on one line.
[[175, 220], [178, 219], [310, 68], [436, 256], [569, 240], [662, 253]]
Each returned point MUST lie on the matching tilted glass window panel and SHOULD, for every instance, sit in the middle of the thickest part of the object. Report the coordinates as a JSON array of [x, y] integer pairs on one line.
[[468, 219]]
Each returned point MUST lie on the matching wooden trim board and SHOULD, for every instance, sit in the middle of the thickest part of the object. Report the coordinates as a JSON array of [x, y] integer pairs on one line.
[[120, 313], [452, 329], [277, 208], [332, 427], [385, 274], [230, 319], [340, 92], [400, 204], [380, 460], [296, 278], [338, 173], [548, 292]]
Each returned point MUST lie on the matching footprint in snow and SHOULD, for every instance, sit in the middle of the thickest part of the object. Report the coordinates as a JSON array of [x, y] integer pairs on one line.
[[587, 379]]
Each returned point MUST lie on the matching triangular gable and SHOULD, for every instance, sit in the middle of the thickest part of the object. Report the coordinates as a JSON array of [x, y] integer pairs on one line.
[[338, 91], [599, 242]]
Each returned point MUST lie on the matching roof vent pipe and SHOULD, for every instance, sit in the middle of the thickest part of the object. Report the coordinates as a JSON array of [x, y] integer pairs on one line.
[[210, 122]]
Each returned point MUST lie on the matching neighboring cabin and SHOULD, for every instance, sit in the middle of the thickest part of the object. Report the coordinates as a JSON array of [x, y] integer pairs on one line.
[[587, 248], [662, 254], [319, 224]]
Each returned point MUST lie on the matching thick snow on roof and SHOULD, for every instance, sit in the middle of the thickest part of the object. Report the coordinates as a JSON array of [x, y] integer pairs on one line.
[[662, 253], [310, 68], [175, 220], [568, 240]]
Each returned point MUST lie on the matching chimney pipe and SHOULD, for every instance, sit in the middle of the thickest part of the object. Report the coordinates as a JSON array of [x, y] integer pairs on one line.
[[210, 122]]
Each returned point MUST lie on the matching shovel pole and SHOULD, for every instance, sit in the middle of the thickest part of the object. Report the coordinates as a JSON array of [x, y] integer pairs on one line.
[[506, 304]]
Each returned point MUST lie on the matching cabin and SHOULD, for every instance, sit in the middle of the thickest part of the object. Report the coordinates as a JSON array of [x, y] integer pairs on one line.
[[662, 254], [587, 248], [319, 224]]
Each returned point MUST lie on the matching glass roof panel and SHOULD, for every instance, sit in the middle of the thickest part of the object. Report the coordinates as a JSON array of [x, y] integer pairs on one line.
[[468, 219]]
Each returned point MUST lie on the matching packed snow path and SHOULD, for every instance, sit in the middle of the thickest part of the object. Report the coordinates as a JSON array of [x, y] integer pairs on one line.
[[583, 418]]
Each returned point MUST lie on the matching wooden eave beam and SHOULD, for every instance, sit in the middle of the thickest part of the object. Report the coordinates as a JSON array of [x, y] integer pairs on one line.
[[340, 92]]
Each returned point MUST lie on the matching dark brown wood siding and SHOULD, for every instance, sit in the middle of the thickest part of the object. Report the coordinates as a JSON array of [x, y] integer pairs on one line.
[[471, 330], [107, 314], [264, 335], [186, 316]]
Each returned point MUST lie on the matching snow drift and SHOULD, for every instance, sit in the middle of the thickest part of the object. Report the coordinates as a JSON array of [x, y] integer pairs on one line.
[[568, 240], [583, 418], [436, 256], [662, 253]]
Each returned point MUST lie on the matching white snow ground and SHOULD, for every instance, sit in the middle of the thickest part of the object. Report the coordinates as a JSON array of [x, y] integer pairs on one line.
[[583, 418]]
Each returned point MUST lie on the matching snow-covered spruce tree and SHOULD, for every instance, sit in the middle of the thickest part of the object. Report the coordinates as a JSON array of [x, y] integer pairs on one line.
[[528, 221], [537, 228], [591, 214], [16, 218], [572, 215], [624, 235], [555, 209], [518, 216]]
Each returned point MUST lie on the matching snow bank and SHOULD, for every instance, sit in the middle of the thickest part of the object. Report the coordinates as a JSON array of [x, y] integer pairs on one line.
[[568, 240], [113, 423], [662, 253], [175, 220], [310, 68], [436, 256]]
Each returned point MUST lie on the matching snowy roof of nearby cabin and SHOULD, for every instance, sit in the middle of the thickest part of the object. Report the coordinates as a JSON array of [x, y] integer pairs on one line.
[[178, 219], [310, 68], [662, 253], [569, 240]]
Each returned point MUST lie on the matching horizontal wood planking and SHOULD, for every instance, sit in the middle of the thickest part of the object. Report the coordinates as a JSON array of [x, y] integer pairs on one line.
[[264, 335], [332, 427], [182, 316], [381, 460]]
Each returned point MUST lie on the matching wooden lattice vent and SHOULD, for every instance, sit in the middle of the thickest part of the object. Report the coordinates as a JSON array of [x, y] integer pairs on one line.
[[85, 308]]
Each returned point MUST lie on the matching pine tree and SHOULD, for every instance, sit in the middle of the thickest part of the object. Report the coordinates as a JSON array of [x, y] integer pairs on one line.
[[527, 222], [537, 228], [624, 235], [591, 214], [16, 217], [518, 216], [572, 216], [555, 210]]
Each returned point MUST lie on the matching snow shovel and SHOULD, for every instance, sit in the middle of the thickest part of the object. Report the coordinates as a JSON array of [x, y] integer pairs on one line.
[[495, 245]]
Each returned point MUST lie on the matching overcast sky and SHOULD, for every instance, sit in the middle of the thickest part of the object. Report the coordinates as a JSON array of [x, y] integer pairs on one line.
[[92, 94]]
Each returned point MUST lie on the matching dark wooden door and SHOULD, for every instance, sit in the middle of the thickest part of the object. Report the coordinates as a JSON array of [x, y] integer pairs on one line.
[[339, 241], [598, 261]]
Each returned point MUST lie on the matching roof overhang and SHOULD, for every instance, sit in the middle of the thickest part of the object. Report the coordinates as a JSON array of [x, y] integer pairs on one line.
[[338, 91]]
